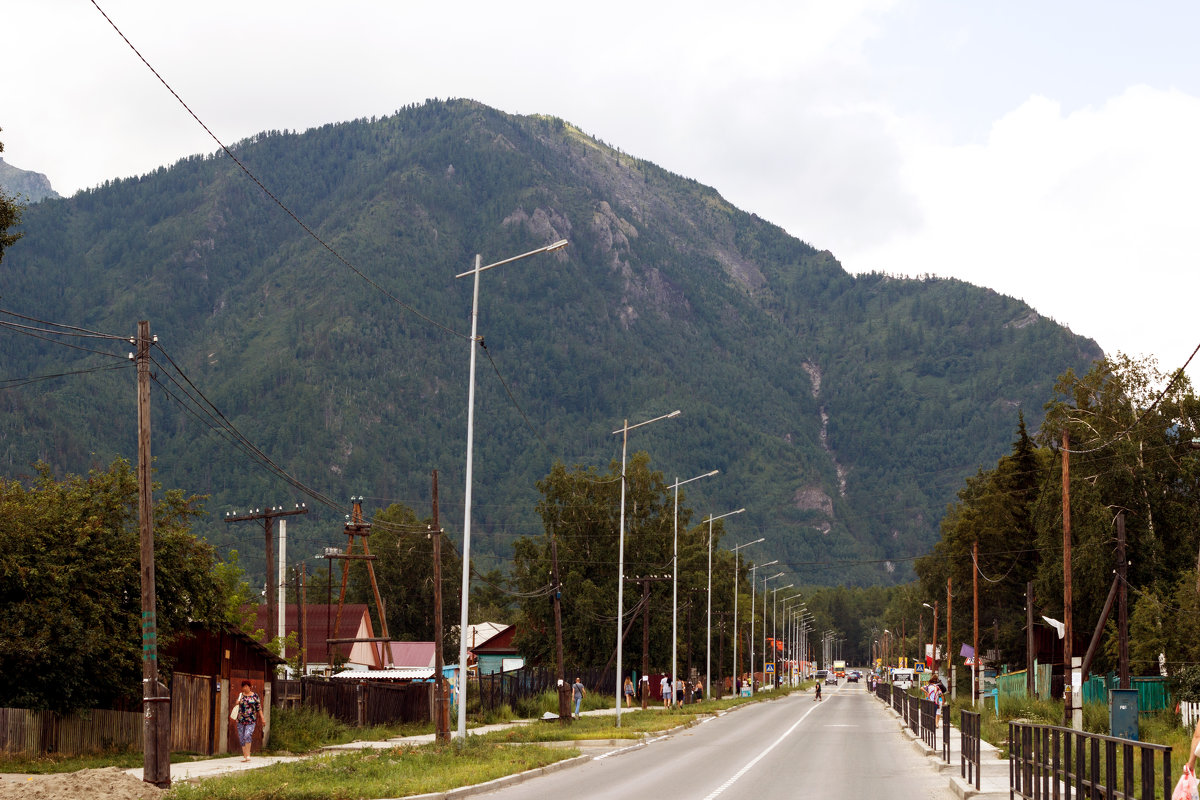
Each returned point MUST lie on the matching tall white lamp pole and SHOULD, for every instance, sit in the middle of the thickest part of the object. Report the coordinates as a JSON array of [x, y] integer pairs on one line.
[[753, 587], [774, 634], [675, 579], [466, 551], [736, 572], [708, 634], [624, 431]]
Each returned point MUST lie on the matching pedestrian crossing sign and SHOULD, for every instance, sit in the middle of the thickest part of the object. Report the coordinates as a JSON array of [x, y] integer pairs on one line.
[[770, 668]]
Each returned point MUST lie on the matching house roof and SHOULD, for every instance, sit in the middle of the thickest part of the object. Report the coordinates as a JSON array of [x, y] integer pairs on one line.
[[412, 654], [321, 618], [479, 633], [500, 644]]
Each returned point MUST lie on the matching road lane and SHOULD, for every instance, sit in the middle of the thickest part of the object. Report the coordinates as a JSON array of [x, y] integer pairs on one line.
[[844, 746]]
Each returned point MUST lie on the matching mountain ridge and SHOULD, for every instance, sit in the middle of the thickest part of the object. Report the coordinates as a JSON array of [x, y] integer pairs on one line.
[[668, 297]]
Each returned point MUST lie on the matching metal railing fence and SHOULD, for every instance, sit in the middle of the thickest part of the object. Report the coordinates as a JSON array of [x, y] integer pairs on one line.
[[1050, 761], [969, 758]]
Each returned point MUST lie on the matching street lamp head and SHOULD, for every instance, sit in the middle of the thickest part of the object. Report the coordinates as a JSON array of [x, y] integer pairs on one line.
[[674, 413], [559, 245], [927, 605]]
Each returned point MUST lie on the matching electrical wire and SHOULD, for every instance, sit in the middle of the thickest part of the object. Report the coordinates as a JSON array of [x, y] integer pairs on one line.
[[70, 330], [16, 383], [286, 210], [28, 331]]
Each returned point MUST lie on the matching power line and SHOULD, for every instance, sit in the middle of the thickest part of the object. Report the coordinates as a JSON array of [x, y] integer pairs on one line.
[[271, 195]]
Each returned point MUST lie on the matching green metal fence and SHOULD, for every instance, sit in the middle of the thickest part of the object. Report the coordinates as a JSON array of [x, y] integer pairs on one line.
[[1153, 694]]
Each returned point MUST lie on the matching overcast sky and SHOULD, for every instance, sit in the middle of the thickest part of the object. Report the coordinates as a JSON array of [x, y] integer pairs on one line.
[[1048, 150]]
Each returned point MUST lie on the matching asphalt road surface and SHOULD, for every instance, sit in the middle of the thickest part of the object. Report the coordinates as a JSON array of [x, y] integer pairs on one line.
[[845, 746]]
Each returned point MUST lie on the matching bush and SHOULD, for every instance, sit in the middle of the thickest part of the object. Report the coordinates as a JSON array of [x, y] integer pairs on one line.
[[302, 730]]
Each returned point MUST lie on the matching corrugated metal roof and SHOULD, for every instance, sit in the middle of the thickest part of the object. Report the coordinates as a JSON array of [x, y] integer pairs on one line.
[[386, 674]]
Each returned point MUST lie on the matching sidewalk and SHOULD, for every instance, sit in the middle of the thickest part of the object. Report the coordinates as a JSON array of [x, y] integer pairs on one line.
[[208, 768], [993, 770]]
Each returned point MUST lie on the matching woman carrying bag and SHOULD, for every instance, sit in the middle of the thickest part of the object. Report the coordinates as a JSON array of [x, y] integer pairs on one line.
[[246, 714]]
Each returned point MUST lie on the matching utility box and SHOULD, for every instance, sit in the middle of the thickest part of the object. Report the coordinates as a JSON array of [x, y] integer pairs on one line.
[[1123, 713]]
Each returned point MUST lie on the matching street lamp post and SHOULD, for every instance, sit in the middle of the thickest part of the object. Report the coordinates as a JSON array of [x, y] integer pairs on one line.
[[787, 635], [735, 549], [753, 587], [624, 431], [774, 634], [708, 623], [806, 620], [466, 550], [675, 579], [764, 650]]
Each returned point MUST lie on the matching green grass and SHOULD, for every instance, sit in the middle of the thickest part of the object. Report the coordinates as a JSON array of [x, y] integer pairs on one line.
[[302, 730], [369, 774]]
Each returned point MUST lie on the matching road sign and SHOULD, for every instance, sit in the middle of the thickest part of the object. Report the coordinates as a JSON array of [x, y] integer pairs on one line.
[[770, 668]]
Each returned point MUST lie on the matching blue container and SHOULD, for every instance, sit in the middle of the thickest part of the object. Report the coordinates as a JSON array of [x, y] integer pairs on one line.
[[1123, 713]]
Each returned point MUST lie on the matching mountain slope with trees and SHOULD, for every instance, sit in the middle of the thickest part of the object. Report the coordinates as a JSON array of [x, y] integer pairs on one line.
[[842, 411]]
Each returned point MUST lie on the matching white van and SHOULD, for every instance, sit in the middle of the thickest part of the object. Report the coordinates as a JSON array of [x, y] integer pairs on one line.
[[902, 678]]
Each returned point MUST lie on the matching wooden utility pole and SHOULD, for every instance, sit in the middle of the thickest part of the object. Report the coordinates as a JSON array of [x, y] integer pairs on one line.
[[303, 618], [933, 638], [644, 679], [1030, 667], [975, 641], [267, 518], [357, 527], [441, 708], [564, 701], [156, 702], [1122, 604], [1068, 631], [949, 652]]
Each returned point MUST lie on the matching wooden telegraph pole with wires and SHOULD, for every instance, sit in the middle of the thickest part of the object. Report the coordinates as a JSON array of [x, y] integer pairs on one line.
[[267, 518], [646, 580], [156, 701], [441, 704], [356, 527]]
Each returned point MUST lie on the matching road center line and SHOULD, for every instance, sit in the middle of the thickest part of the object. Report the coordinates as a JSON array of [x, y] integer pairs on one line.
[[759, 757]]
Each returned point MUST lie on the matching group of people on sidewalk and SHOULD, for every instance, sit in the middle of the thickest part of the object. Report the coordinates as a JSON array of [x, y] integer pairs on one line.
[[671, 694]]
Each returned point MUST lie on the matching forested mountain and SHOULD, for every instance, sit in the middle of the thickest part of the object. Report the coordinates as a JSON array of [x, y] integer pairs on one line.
[[843, 412]]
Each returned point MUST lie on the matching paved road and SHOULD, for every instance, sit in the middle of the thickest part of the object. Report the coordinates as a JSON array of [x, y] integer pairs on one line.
[[846, 746]]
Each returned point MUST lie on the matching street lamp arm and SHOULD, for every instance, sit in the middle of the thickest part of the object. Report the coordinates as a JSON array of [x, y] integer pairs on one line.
[[560, 244], [629, 427]]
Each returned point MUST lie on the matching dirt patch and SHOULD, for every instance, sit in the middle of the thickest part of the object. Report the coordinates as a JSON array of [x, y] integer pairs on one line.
[[109, 783]]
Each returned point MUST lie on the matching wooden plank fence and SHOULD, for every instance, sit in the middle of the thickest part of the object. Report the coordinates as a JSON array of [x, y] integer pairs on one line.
[[364, 703], [33, 733]]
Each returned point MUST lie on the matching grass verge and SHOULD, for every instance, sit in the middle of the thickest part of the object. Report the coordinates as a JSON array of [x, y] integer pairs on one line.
[[367, 774]]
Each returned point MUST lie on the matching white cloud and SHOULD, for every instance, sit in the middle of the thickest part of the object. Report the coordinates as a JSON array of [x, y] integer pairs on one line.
[[1087, 215]]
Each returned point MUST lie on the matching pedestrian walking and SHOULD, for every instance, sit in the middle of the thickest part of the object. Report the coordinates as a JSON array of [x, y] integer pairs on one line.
[[628, 692], [577, 693], [665, 686], [247, 713]]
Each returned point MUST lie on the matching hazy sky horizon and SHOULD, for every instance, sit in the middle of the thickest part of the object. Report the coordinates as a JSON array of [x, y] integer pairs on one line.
[[1042, 150]]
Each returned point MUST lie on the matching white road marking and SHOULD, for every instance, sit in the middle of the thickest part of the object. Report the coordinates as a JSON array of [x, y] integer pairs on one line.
[[759, 757]]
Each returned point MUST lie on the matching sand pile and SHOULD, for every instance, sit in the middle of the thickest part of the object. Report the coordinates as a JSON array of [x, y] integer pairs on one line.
[[109, 783]]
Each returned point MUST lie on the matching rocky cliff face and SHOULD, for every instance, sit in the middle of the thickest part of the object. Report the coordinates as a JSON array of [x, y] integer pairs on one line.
[[28, 186]]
